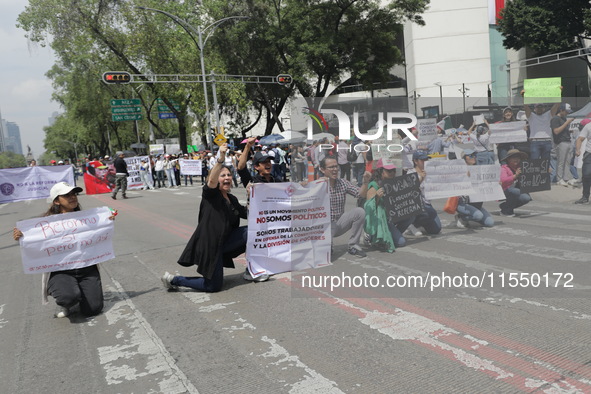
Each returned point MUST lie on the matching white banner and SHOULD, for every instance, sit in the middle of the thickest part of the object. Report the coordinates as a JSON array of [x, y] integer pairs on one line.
[[133, 168], [446, 178], [190, 167], [503, 132], [32, 183], [427, 130], [66, 241], [156, 149], [486, 183], [288, 227]]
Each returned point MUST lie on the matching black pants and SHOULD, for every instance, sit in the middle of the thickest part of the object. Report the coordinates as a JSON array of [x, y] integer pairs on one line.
[[82, 285]]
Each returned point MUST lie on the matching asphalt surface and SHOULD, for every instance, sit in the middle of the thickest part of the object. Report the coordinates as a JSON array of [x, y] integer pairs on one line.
[[280, 336]]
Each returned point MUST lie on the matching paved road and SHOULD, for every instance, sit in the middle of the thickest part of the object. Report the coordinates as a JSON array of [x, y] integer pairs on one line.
[[278, 336]]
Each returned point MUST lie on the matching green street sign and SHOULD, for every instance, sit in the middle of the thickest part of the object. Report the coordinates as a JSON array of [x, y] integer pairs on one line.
[[164, 108], [125, 110], [124, 117], [127, 102]]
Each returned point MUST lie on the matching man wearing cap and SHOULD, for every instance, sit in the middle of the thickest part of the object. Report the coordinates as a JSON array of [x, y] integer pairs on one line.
[[121, 175], [561, 133], [586, 170], [428, 219], [540, 130], [510, 182]]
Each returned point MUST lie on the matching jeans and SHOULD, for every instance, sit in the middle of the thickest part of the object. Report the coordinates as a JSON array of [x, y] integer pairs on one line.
[[345, 171], [358, 171], [170, 176], [586, 174], [82, 285], [471, 213], [160, 178], [397, 229], [428, 220], [146, 178], [486, 157], [540, 149], [515, 199], [564, 154], [235, 240], [188, 178]]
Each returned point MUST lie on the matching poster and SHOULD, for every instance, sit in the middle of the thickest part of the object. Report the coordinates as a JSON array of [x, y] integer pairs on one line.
[[504, 132], [486, 183], [535, 176], [542, 90], [402, 198], [289, 227], [66, 241], [31, 183], [134, 181], [446, 178], [190, 167]]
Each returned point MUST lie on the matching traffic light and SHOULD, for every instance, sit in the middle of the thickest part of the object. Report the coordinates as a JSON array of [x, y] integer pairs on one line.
[[284, 79], [111, 77]]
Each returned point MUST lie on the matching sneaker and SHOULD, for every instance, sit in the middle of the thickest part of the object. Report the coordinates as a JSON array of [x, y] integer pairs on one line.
[[562, 182], [461, 223], [412, 230], [261, 278], [355, 251], [125, 197], [507, 214], [114, 197], [167, 281], [573, 183], [583, 200], [61, 312]]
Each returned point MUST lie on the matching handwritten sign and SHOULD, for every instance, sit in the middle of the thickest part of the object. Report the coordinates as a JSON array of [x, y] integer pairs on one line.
[[134, 181], [66, 241], [446, 178], [534, 176], [191, 167], [427, 130], [402, 197], [486, 183], [542, 90], [289, 227], [504, 132]]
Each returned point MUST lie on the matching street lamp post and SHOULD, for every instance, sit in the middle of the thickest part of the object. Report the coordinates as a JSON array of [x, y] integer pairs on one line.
[[440, 95], [200, 45], [464, 90]]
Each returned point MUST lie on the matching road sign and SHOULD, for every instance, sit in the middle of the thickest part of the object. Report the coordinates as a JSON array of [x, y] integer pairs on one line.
[[220, 139], [125, 110], [166, 115], [165, 108], [124, 117], [115, 103]]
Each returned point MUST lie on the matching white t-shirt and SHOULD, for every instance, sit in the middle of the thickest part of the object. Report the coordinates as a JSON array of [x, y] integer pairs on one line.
[[539, 125], [586, 133]]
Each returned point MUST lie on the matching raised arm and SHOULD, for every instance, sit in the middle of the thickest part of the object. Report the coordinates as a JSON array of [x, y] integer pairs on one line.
[[245, 153], [212, 180]]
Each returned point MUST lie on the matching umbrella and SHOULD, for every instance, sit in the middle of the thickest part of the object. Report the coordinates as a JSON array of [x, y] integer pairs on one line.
[[244, 141], [271, 139], [323, 135], [289, 135]]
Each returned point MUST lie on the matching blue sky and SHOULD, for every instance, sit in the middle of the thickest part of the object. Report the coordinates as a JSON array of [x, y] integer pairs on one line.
[[25, 92]]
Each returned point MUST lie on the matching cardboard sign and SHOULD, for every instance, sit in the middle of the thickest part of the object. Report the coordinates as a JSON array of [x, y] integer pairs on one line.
[[542, 90], [402, 197], [535, 176]]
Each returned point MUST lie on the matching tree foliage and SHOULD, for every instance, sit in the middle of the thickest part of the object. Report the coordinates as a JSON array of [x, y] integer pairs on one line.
[[12, 160], [546, 26]]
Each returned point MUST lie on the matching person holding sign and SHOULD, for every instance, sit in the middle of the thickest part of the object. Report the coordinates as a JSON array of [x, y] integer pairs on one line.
[[218, 237], [382, 232], [471, 211], [540, 130], [74, 286], [484, 152], [509, 181], [342, 221], [428, 219]]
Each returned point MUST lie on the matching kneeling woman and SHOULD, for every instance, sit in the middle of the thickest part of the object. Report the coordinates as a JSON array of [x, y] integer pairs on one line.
[[218, 237], [510, 173]]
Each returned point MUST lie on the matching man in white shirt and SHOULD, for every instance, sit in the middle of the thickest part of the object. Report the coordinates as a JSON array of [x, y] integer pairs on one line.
[[586, 170], [540, 131]]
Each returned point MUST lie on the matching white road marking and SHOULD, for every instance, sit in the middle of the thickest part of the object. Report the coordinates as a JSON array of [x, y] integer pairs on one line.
[[138, 344], [3, 322]]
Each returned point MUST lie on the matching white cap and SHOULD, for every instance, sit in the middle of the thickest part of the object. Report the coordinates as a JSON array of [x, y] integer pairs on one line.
[[61, 188], [60, 162]]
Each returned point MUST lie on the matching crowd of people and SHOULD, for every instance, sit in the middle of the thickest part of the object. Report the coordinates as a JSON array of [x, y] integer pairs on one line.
[[219, 237]]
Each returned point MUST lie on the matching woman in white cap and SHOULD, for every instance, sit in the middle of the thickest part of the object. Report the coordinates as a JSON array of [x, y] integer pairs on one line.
[[74, 286]]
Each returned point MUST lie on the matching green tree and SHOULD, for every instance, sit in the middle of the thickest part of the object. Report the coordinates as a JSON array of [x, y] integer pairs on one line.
[[318, 42], [12, 160], [546, 26]]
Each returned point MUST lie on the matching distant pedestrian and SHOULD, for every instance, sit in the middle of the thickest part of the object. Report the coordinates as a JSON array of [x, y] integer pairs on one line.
[[121, 176]]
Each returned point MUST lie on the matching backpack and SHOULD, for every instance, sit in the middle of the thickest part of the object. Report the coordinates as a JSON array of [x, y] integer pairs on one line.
[[277, 157], [352, 156]]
